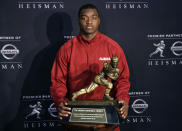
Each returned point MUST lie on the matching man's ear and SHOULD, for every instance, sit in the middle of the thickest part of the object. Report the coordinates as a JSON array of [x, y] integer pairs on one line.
[[99, 20]]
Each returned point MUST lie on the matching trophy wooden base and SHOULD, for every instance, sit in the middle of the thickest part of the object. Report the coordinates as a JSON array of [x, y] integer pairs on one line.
[[92, 115]]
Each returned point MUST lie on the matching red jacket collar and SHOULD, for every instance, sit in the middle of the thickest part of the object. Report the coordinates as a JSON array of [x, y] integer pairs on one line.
[[96, 38]]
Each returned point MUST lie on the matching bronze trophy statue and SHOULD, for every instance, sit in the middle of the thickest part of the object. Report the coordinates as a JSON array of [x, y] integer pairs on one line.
[[95, 113], [111, 71]]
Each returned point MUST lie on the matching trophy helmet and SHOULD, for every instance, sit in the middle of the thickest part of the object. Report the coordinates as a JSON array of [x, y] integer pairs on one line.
[[114, 61]]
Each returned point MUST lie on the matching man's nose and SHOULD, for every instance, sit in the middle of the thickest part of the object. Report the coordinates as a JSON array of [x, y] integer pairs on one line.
[[89, 21]]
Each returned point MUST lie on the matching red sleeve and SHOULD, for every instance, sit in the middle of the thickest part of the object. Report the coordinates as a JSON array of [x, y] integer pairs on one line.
[[122, 84], [58, 88]]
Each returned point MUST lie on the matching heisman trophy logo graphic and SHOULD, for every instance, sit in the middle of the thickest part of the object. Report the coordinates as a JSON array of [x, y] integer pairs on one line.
[[35, 110], [160, 47]]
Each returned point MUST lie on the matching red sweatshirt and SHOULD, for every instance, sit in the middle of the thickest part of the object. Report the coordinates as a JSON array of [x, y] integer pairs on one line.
[[78, 61]]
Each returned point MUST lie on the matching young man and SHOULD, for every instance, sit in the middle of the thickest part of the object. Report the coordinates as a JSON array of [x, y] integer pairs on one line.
[[80, 59]]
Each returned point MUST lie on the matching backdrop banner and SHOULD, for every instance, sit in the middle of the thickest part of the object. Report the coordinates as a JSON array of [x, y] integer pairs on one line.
[[32, 31]]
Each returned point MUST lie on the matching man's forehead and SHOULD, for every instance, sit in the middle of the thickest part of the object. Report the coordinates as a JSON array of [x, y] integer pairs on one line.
[[89, 12]]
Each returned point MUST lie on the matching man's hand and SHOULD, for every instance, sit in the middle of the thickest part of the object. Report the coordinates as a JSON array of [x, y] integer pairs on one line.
[[63, 111], [123, 111]]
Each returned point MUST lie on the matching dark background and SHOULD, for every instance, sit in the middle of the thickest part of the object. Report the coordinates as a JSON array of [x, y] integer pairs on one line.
[[43, 31]]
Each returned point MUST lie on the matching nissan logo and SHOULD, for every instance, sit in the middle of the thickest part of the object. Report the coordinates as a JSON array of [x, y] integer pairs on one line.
[[139, 106], [9, 51]]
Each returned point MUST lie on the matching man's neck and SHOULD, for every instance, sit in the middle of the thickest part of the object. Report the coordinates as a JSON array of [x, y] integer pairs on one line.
[[89, 36]]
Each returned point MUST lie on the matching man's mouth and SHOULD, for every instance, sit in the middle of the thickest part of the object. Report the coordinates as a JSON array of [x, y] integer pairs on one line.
[[89, 27]]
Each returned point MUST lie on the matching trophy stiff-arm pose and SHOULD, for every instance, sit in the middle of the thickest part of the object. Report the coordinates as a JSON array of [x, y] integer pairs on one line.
[[109, 71]]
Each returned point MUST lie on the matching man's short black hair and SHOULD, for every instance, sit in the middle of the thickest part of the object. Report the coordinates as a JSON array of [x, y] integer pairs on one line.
[[87, 6]]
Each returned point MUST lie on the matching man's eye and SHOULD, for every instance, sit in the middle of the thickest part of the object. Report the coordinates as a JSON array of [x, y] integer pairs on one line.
[[83, 18], [94, 18]]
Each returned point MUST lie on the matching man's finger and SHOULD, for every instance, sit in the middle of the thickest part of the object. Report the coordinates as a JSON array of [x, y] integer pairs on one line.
[[122, 112], [63, 107], [63, 115], [65, 112], [60, 106], [124, 115], [65, 103], [121, 102], [66, 108], [60, 115], [124, 108]]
